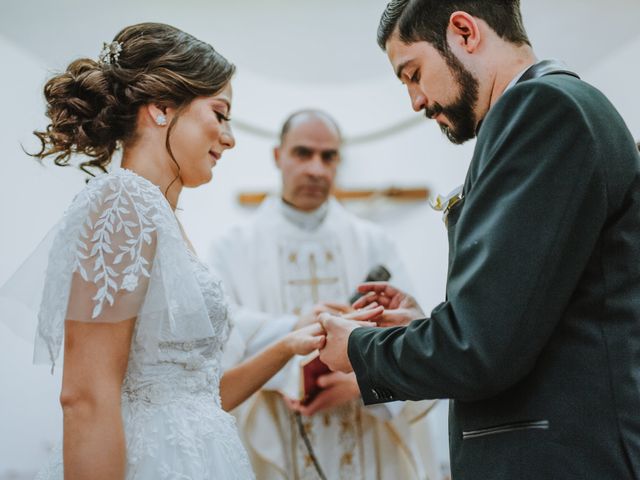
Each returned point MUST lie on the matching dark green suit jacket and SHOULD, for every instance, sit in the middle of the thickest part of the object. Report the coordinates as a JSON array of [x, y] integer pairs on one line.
[[538, 341]]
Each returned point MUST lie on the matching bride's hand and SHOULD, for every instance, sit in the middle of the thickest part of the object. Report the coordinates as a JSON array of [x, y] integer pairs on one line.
[[305, 340]]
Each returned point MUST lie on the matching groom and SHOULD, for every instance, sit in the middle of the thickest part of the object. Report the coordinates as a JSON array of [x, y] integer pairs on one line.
[[538, 340]]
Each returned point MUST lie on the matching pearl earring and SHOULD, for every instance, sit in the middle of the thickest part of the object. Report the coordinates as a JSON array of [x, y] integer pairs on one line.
[[161, 120]]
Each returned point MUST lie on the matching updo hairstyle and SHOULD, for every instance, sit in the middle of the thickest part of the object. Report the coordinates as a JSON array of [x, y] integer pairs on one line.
[[93, 105]]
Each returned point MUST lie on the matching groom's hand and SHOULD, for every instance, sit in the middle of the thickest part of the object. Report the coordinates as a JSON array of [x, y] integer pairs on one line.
[[338, 329]]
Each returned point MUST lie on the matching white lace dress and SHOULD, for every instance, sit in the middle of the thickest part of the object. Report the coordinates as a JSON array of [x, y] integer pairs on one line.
[[174, 425]]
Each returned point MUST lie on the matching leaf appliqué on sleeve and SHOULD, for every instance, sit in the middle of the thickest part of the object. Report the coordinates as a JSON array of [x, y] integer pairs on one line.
[[122, 212]]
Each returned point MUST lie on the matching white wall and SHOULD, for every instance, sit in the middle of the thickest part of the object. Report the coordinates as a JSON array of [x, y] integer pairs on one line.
[[33, 197], [617, 77]]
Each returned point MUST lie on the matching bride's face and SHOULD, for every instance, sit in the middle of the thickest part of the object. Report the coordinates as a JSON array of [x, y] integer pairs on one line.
[[200, 136]]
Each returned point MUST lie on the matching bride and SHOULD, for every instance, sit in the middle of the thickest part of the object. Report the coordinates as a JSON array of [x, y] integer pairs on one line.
[[142, 320]]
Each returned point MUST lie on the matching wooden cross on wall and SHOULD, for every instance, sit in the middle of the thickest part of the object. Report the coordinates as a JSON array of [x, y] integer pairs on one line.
[[392, 193]]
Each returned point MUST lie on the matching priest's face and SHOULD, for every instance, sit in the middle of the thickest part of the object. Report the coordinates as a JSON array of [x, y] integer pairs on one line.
[[308, 159], [440, 85]]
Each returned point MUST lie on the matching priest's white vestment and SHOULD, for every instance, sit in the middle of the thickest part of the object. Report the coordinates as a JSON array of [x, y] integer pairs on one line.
[[274, 267]]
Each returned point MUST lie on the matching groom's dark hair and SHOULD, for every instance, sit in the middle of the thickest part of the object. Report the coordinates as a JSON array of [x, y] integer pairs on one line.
[[427, 20]]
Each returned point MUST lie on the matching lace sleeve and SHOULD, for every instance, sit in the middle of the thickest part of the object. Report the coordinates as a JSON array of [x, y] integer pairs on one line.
[[117, 254], [100, 259], [115, 247]]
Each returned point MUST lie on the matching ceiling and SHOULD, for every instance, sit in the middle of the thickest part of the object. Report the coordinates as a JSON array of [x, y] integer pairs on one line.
[[315, 42]]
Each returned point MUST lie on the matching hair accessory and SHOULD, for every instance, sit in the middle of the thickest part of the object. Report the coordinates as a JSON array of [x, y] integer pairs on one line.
[[161, 120], [110, 53]]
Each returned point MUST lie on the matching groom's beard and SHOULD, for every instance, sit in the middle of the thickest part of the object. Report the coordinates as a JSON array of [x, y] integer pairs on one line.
[[460, 113]]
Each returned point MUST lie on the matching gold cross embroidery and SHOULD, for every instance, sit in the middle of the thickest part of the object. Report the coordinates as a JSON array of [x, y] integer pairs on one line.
[[326, 419], [314, 281], [347, 458], [308, 428], [345, 424]]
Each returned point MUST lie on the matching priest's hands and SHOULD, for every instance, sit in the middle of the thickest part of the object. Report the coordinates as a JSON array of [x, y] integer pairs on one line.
[[304, 340], [399, 308], [311, 316], [338, 388]]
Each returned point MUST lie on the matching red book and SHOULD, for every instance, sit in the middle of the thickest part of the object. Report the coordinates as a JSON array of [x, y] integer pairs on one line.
[[311, 368]]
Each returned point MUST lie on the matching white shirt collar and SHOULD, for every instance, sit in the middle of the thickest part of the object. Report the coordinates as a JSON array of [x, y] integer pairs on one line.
[[517, 77], [307, 221]]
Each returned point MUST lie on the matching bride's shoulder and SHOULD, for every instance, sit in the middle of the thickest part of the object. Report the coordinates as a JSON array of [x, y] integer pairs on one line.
[[119, 187], [117, 201], [122, 182]]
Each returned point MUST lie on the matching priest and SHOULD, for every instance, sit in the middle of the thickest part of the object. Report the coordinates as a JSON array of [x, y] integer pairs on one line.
[[299, 255]]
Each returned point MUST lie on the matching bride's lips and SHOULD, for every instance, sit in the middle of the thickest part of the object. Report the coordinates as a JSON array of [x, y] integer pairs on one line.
[[216, 156]]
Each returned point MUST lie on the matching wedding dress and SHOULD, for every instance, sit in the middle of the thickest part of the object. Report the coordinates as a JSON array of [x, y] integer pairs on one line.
[[118, 253]]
